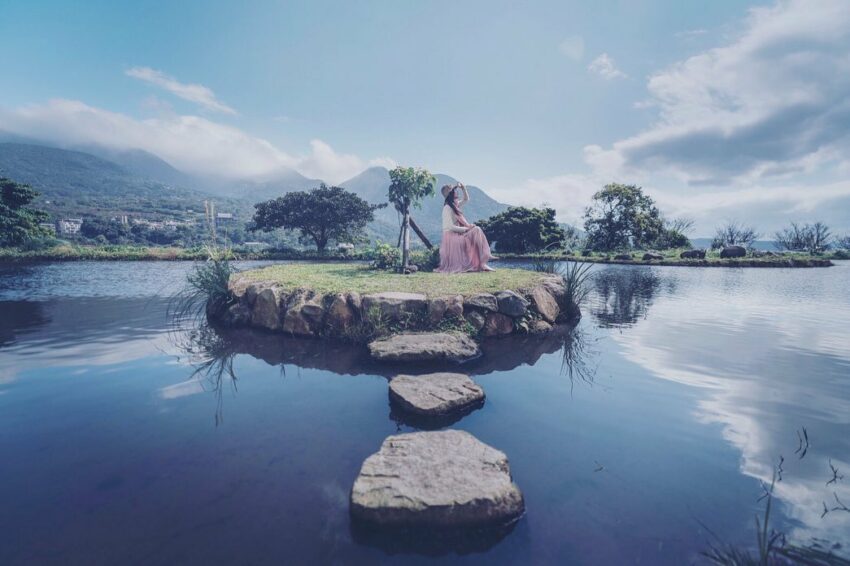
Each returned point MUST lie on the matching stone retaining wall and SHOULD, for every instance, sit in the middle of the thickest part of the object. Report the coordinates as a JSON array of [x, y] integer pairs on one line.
[[307, 313]]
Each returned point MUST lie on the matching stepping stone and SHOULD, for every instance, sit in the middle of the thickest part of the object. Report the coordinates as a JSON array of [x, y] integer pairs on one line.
[[435, 394], [437, 346], [436, 479]]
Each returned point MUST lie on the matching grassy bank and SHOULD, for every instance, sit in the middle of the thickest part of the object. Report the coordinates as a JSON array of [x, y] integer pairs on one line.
[[352, 277]]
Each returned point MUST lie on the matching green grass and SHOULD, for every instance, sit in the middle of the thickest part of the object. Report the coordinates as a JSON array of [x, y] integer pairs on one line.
[[328, 278]]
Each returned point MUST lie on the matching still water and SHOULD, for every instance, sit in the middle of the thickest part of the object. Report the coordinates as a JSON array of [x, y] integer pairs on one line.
[[634, 436]]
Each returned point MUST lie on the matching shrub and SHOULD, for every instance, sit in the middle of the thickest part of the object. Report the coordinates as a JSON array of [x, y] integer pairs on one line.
[[385, 256], [734, 234]]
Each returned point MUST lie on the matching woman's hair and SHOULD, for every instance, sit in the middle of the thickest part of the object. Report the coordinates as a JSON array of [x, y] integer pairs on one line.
[[450, 202]]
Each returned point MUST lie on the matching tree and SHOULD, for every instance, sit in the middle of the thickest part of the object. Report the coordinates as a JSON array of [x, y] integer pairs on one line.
[[843, 242], [622, 217], [408, 186], [734, 234], [112, 230], [813, 238], [321, 215], [18, 222], [524, 230]]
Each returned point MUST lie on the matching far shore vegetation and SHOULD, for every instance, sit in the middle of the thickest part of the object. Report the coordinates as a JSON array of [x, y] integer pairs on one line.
[[622, 224]]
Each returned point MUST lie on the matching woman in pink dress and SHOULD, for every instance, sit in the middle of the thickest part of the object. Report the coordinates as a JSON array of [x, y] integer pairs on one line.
[[464, 246]]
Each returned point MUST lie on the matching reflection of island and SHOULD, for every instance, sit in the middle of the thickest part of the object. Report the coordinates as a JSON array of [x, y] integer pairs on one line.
[[621, 297], [211, 351], [499, 354], [429, 542]]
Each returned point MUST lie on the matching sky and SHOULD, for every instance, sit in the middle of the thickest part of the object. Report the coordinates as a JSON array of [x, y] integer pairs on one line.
[[723, 110]]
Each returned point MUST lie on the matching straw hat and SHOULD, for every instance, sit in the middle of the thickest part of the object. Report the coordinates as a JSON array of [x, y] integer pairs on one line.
[[446, 190]]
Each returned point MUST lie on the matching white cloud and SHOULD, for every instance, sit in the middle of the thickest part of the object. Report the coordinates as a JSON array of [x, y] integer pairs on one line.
[[690, 33], [775, 99], [190, 143], [572, 47], [199, 94], [605, 67]]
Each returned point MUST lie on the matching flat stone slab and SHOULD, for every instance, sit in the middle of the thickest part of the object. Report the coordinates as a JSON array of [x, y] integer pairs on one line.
[[435, 394], [436, 479], [435, 346]]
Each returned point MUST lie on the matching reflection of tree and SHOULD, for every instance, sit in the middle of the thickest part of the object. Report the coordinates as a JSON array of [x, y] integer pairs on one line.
[[19, 316], [623, 296]]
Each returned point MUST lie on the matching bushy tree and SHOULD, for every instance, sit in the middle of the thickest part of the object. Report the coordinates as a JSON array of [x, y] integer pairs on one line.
[[322, 215], [622, 217], [524, 230], [113, 232], [813, 238], [843, 242], [18, 221], [734, 234], [408, 186]]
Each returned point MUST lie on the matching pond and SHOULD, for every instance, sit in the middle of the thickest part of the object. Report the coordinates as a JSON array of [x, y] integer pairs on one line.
[[643, 435]]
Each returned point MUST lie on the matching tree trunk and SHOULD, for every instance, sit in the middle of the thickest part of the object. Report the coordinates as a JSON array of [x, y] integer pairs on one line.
[[405, 240], [421, 234]]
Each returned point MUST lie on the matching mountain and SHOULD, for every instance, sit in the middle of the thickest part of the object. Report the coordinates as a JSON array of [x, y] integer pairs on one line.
[[74, 183], [373, 184], [143, 164]]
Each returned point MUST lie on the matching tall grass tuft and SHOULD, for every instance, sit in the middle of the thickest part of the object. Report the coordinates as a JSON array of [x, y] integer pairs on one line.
[[206, 290], [576, 280]]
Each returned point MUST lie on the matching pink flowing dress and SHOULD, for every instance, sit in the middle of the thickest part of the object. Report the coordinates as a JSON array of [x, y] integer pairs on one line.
[[468, 251]]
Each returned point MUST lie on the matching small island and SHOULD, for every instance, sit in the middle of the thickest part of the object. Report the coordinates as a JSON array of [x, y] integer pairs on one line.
[[354, 302]]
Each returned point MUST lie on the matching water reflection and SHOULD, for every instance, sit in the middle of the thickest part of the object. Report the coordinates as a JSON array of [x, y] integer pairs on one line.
[[429, 542], [19, 316], [211, 350], [621, 297]]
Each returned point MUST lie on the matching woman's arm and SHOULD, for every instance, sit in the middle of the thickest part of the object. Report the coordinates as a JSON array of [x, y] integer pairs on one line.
[[465, 198]]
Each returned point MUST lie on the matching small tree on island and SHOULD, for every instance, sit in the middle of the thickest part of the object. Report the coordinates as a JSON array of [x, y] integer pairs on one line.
[[622, 217], [813, 238], [734, 234], [19, 222], [408, 186], [322, 215], [524, 230]]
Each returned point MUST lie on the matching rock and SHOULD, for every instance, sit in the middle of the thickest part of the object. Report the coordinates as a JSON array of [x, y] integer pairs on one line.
[[511, 303], [236, 315], [483, 301], [476, 319], [251, 294], [539, 327], [395, 306], [556, 286], [355, 302], [266, 311], [412, 268], [623, 257], [692, 254], [497, 324], [304, 315], [436, 479], [733, 251], [340, 315], [435, 394], [455, 306], [425, 347], [436, 310], [649, 256], [545, 304], [586, 253]]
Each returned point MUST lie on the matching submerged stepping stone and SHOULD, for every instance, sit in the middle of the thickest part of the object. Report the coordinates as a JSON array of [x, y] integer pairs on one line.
[[436, 479], [435, 394], [435, 346]]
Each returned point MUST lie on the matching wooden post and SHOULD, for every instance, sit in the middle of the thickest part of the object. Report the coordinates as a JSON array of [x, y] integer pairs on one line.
[[421, 234]]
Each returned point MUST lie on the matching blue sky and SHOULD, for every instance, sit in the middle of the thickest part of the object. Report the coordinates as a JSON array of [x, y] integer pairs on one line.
[[722, 110]]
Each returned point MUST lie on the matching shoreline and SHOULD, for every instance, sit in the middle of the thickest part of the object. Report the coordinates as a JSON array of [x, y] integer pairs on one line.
[[67, 254]]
